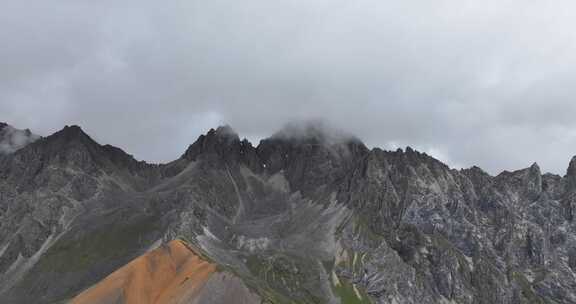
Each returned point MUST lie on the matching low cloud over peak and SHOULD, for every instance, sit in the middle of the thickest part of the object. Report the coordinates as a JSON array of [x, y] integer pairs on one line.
[[12, 139]]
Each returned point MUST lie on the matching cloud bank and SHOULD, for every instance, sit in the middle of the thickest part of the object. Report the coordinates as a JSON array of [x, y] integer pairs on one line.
[[485, 83]]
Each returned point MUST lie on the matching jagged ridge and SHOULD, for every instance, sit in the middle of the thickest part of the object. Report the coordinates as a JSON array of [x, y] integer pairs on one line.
[[373, 225]]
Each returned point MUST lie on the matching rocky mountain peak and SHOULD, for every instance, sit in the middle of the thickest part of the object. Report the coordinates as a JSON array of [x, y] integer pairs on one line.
[[534, 179], [70, 137], [222, 141], [75, 147], [571, 173], [534, 171], [572, 168], [308, 140], [477, 169], [526, 181], [476, 172], [72, 132], [224, 131]]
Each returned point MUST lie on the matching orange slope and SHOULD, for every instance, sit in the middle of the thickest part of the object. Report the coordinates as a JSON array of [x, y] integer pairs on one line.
[[170, 274]]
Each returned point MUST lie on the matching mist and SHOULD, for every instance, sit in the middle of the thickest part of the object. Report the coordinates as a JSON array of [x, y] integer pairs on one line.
[[12, 139]]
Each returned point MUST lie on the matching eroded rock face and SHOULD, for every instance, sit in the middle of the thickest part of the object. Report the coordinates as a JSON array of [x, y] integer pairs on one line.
[[306, 216]]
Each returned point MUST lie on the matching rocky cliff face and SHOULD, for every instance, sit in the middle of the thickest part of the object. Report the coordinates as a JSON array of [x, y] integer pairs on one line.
[[307, 216]]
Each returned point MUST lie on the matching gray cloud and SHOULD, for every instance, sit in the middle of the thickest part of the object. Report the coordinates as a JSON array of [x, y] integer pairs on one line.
[[12, 139], [472, 82]]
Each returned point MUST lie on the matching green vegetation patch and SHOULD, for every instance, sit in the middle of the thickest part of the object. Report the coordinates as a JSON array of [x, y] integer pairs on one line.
[[348, 292]]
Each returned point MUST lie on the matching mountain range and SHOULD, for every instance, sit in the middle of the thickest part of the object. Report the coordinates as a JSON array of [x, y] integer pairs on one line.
[[309, 215]]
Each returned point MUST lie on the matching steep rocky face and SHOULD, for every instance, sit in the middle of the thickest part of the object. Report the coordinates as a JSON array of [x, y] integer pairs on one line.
[[307, 216]]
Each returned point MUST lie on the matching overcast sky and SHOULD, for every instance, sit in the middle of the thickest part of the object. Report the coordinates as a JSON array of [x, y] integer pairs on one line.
[[489, 83]]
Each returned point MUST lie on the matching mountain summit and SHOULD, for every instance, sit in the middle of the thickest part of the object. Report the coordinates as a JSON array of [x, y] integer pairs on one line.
[[309, 215]]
